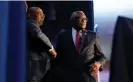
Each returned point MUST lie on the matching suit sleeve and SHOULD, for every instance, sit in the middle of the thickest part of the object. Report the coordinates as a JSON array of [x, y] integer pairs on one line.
[[58, 39], [99, 56], [59, 47], [36, 32]]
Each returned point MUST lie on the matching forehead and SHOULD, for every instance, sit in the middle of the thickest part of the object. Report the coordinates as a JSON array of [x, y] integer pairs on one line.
[[78, 14], [39, 10]]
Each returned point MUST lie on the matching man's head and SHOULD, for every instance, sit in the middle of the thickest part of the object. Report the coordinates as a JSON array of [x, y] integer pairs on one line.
[[78, 20], [36, 14]]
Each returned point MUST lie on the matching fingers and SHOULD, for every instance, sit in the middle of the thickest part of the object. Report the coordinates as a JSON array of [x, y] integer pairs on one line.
[[53, 53], [53, 56], [94, 73], [94, 68]]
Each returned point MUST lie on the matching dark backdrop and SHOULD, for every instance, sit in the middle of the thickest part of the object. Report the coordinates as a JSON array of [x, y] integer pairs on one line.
[[58, 14]]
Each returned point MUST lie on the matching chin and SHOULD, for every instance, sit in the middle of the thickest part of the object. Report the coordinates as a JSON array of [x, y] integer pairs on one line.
[[41, 24], [83, 27]]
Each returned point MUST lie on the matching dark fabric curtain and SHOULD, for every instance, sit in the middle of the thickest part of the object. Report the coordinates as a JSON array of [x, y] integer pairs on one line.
[[12, 41], [122, 51]]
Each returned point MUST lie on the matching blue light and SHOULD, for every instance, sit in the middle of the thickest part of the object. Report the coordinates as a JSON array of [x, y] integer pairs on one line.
[[96, 27]]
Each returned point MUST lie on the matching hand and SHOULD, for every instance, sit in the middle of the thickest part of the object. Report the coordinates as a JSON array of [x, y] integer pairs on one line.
[[53, 52], [94, 68]]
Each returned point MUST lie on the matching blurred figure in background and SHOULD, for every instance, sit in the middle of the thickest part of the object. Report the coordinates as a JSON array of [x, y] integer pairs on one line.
[[38, 45], [26, 5]]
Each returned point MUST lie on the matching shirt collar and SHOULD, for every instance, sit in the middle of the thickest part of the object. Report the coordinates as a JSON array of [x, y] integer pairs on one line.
[[73, 31]]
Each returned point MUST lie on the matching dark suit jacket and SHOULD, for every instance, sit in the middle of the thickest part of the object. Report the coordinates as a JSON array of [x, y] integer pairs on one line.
[[38, 45], [71, 65]]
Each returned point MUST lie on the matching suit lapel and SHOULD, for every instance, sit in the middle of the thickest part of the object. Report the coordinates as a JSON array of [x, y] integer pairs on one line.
[[87, 38], [82, 41], [70, 38]]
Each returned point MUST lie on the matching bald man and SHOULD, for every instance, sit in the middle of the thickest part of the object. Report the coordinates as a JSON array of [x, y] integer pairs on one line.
[[39, 46], [79, 55]]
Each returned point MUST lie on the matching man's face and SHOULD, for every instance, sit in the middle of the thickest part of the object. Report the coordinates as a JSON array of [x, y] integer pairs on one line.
[[80, 21], [40, 17]]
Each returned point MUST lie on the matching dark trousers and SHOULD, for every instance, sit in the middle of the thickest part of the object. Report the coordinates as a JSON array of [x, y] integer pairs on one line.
[[35, 68]]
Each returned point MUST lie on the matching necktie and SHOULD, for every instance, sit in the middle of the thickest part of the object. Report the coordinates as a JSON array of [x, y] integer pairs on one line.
[[77, 40]]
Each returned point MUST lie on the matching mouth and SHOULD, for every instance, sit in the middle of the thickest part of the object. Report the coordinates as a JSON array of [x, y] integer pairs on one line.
[[83, 24]]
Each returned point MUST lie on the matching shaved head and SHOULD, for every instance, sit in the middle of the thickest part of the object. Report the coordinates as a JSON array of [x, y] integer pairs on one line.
[[36, 14]]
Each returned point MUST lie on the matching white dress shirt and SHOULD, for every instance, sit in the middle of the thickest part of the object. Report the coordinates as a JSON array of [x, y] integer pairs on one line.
[[74, 32]]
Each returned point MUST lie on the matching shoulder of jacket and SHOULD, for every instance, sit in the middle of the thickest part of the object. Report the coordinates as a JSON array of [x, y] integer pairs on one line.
[[91, 32]]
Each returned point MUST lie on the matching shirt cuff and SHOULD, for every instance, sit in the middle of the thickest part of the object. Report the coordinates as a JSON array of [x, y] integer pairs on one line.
[[51, 49]]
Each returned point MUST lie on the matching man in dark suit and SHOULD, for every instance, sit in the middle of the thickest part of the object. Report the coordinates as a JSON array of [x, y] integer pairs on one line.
[[79, 56], [39, 46]]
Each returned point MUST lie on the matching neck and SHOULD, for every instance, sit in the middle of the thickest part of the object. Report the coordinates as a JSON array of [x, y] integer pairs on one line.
[[35, 21], [77, 29]]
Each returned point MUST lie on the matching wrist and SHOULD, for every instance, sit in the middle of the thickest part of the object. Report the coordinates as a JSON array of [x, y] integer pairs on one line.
[[99, 64], [51, 49]]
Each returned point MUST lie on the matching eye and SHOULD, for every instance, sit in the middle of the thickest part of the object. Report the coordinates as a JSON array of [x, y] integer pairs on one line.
[[84, 19]]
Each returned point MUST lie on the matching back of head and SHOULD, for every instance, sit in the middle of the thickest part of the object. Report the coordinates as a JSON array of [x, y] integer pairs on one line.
[[31, 12]]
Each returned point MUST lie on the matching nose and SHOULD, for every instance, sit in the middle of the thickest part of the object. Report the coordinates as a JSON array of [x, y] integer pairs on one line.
[[84, 21], [42, 17]]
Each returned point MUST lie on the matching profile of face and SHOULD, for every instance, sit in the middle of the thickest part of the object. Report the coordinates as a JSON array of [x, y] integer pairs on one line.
[[79, 20], [40, 16], [26, 5]]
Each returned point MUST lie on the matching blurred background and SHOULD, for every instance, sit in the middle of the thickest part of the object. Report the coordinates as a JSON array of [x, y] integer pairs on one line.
[[106, 13]]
